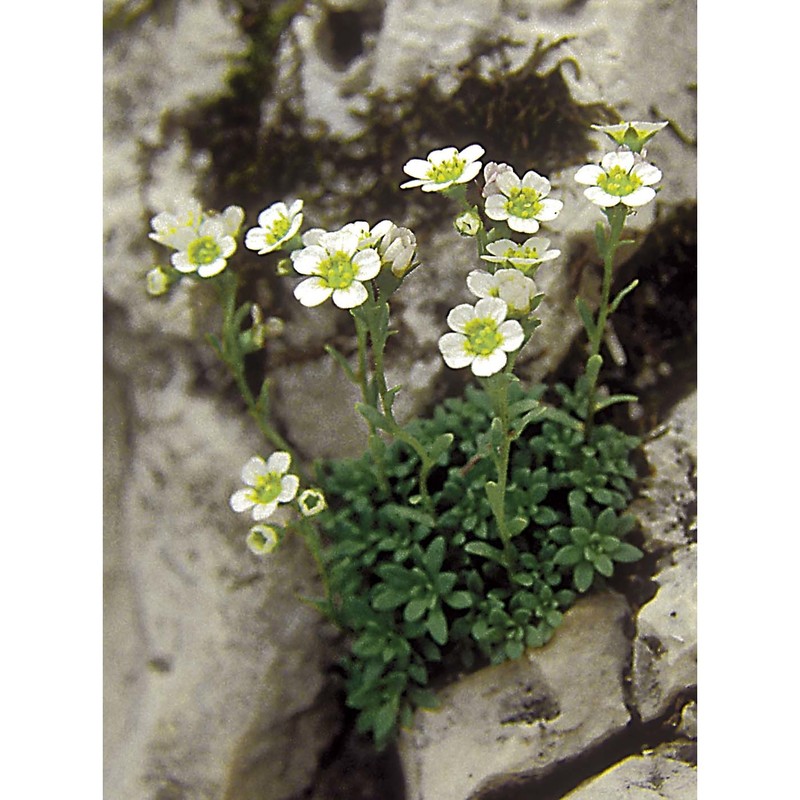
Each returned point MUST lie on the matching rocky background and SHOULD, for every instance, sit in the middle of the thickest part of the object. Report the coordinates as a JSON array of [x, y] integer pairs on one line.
[[218, 683]]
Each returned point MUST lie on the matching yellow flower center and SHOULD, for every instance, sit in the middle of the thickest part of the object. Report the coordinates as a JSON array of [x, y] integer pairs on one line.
[[449, 170], [523, 202], [338, 270], [483, 337], [204, 250], [279, 230], [266, 488], [618, 183]]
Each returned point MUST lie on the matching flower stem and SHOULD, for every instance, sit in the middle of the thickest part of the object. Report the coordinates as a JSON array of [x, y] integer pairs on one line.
[[608, 248], [231, 354]]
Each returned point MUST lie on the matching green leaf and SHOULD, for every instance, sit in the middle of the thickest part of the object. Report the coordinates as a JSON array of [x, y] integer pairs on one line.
[[437, 626], [342, 362], [606, 522], [568, 556], [444, 583], [586, 317], [626, 553], [434, 556], [553, 618], [441, 444], [618, 299], [415, 609], [384, 722], [459, 600], [418, 673], [523, 579], [604, 565], [583, 576], [374, 416], [615, 398], [387, 598], [486, 551], [497, 434], [520, 407], [517, 525], [495, 496], [593, 365], [600, 238], [534, 637], [513, 649]]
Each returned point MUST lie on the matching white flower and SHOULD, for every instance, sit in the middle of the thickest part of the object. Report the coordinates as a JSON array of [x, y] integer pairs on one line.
[[232, 218], [338, 269], [268, 485], [205, 250], [157, 282], [396, 246], [311, 502], [632, 135], [491, 172], [621, 177], [171, 226], [510, 285], [482, 337], [443, 168], [521, 202], [525, 256], [276, 225], [262, 539]]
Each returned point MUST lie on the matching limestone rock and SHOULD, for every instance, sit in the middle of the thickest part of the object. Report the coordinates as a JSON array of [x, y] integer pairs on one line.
[[667, 506], [645, 777], [665, 648], [521, 718]]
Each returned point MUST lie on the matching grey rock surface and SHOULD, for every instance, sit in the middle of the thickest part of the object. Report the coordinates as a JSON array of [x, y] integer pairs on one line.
[[646, 777], [523, 717], [213, 679], [665, 649]]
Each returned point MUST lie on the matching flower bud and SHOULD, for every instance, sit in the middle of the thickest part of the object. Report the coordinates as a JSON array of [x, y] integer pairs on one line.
[[158, 282], [468, 223]]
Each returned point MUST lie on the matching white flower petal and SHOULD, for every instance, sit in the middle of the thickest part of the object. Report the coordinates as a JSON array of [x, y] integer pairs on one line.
[[412, 184], [484, 366], [436, 187], [460, 316], [589, 174], [278, 462], [470, 171], [599, 197], [640, 196], [472, 153], [481, 283], [214, 268], [264, 511], [523, 224], [618, 158], [232, 218], [506, 181], [256, 239], [452, 346], [307, 260], [295, 208], [312, 236], [312, 292], [646, 173], [367, 264], [496, 207], [491, 307], [289, 486], [533, 180], [550, 210], [254, 468], [180, 261], [354, 295], [512, 334], [501, 246], [340, 242], [436, 157], [240, 501], [417, 168]]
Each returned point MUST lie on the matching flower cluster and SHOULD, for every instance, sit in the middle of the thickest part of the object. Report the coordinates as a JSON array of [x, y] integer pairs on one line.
[[482, 336], [203, 241]]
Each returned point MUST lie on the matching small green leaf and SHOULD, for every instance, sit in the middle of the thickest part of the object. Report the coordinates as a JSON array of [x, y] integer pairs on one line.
[[553, 618], [441, 444], [387, 599], [513, 649], [615, 398], [434, 556], [385, 720], [626, 553], [517, 525], [606, 522], [374, 416], [437, 626], [415, 609], [459, 600], [523, 579], [486, 551], [583, 576], [534, 637], [623, 292], [568, 556], [495, 496], [604, 565], [586, 317], [600, 238], [444, 583], [342, 362]]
